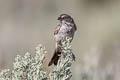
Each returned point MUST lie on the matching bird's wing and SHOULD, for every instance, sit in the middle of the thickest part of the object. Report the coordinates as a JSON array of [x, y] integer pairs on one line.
[[75, 27], [57, 29]]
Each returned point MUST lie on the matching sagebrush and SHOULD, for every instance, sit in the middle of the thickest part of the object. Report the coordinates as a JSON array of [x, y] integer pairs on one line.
[[31, 67]]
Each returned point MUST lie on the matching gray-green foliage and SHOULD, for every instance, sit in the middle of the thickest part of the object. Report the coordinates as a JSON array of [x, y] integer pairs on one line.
[[62, 70], [30, 67]]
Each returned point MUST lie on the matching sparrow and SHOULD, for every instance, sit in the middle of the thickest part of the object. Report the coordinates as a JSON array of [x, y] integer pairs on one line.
[[66, 28]]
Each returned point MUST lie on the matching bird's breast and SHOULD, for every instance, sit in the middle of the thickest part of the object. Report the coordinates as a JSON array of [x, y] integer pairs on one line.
[[63, 32], [64, 29]]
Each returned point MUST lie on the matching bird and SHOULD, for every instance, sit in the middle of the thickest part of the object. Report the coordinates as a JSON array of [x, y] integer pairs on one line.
[[66, 28]]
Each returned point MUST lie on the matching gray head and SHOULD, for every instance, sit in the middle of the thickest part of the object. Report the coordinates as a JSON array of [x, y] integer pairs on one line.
[[65, 18]]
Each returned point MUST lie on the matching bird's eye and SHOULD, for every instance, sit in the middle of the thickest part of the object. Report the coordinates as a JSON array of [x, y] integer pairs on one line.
[[64, 17]]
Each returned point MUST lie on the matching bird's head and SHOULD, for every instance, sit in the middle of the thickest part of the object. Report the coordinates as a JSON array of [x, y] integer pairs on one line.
[[65, 18]]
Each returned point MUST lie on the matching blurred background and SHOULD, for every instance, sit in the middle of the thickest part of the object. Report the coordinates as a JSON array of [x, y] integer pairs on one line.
[[26, 23]]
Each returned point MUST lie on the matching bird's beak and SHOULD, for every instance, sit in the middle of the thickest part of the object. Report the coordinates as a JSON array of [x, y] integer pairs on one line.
[[59, 18]]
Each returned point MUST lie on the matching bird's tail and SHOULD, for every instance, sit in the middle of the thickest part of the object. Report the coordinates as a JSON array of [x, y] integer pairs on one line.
[[55, 58]]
